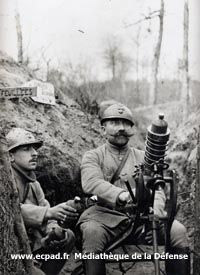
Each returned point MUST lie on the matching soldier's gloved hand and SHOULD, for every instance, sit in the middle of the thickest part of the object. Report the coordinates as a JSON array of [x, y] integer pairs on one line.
[[60, 233], [56, 234], [61, 212], [61, 238], [67, 242], [123, 198]]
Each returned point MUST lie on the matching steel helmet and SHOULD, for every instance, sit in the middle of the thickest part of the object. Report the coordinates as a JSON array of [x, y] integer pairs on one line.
[[117, 110], [18, 137]]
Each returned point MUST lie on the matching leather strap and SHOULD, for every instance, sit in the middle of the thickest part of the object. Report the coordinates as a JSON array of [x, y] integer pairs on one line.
[[26, 192], [34, 195], [28, 188], [119, 169]]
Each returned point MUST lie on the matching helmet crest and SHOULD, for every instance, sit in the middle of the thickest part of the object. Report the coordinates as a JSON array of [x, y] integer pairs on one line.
[[119, 111]]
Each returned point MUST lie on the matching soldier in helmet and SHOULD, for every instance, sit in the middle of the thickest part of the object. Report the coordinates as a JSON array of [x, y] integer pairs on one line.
[[100, 172], [46, 236]]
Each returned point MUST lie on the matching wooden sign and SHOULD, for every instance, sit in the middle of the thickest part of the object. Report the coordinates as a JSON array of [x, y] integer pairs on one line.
[[45, 92], [13, 92], [42, 92]]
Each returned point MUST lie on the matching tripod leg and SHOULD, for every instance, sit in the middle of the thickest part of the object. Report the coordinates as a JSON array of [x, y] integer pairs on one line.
[[155, 247]]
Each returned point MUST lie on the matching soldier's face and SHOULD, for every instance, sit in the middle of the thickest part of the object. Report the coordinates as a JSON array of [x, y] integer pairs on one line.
[[25, 157], [117, 131]]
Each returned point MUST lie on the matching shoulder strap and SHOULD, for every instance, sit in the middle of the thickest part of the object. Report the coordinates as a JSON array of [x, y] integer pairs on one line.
[[28, 188], [26, 192], [34, 194], [119, 169]]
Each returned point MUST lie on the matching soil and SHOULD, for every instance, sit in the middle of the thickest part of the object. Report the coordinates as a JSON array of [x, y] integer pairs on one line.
[[68, 132]]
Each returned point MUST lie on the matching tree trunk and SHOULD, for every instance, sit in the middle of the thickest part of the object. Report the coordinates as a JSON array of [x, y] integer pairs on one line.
[[197, 213], [155, 63], [113, 62], [185, 80], [137, 42], [19, 38], [13, 237]]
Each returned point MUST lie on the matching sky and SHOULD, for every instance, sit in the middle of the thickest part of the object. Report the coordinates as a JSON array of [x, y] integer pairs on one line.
[[77, 31]]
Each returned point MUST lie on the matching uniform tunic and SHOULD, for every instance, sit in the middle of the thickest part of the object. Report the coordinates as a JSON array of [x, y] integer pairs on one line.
[[97, 168], [33, 207]]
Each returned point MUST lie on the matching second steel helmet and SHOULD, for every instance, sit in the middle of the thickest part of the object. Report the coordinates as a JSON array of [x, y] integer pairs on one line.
[[119, 111], [18, 137]]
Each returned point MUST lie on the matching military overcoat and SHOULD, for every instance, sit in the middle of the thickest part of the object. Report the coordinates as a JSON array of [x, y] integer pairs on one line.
[[97, 169]]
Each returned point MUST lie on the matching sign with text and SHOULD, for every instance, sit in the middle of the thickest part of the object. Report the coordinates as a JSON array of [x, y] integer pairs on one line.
[[45, 92], [13, 92]]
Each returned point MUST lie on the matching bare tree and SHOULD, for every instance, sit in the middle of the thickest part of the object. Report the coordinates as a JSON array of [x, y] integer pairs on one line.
[[19, 37], [185, 81], [137, 43], [115, 59], [156, 58], [47, 62]]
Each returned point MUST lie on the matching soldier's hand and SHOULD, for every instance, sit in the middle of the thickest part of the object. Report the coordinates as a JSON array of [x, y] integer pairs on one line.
[[66, 243], [124, 197], [61, 212], [60, 233]]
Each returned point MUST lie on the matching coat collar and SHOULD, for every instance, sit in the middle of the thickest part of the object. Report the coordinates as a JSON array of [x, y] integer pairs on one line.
[[26, 176], [117, 150]]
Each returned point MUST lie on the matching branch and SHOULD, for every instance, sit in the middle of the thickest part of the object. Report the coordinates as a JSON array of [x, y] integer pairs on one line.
[[150, 16]]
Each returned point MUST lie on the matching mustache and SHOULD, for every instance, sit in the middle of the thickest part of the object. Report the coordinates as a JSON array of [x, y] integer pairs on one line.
[[122, 133]]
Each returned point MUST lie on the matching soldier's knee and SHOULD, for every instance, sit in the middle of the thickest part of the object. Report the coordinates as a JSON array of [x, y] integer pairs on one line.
[[178, 235], [92, 229], [94, 237]]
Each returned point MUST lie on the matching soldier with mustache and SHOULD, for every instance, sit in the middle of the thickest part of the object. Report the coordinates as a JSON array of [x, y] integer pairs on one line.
[[39, 218], [102, 222]]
